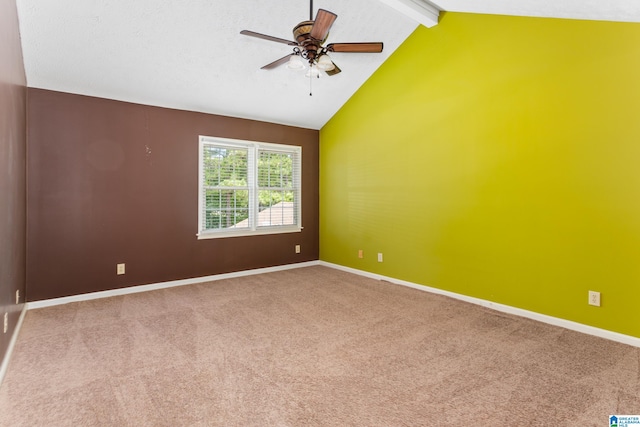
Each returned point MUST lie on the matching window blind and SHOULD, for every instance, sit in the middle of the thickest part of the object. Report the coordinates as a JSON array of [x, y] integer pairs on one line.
[[248, 187]]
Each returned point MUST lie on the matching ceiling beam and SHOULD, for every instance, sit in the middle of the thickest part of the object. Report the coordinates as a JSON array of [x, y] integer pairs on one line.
[[419, 10]]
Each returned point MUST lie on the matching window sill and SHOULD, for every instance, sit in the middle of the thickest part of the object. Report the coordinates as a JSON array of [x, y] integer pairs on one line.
[[243, 233]]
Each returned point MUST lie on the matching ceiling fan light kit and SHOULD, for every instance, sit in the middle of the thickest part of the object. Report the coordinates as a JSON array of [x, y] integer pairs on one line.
[[310, 37]]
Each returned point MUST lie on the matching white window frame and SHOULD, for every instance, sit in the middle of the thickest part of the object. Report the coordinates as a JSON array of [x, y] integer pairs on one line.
[[253, 148]]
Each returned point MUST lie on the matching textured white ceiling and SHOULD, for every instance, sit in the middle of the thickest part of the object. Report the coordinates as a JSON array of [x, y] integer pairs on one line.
[[189, 54]]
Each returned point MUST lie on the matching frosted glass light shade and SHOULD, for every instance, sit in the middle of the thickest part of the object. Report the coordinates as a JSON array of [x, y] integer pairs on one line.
[[313, 72], [325, 64], [295, 63]]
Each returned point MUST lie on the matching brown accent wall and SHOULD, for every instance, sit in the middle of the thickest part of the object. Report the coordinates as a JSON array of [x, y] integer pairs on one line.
[[113, 182], [13, 95]]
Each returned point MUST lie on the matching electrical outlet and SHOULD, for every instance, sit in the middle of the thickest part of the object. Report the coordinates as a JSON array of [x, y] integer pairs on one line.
[[360, 255], [18, 296], [120, 268], [297, 249], [6, 322], [594, 298], [379, 256]]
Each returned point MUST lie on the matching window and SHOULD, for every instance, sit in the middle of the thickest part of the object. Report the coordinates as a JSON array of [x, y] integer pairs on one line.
[[248, 188]]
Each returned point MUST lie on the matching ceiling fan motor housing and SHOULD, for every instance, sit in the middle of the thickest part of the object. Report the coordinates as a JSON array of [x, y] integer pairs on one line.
[[302, 35]]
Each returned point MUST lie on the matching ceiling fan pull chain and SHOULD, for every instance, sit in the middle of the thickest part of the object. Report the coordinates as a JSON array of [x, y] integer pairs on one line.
[[310, 80]]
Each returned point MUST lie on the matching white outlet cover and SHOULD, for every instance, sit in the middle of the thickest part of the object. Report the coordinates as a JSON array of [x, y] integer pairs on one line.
[[594, 298]]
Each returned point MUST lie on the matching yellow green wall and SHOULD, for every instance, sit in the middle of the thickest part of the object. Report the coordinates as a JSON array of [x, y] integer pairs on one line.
[[496, 157]]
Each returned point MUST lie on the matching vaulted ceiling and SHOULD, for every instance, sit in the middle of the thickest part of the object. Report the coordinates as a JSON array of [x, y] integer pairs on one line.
[[191, 56]]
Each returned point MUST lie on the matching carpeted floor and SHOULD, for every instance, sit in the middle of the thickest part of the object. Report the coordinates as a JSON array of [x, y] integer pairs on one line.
[[308, 347]]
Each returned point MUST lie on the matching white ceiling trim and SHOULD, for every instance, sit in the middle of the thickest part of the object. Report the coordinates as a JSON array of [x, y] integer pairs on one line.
[[419, 10]]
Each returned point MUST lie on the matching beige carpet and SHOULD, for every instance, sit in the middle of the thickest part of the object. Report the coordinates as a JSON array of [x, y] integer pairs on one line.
[[308, 347]]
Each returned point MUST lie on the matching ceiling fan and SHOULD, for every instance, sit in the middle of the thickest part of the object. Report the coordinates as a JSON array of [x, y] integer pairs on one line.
[[308, 45]]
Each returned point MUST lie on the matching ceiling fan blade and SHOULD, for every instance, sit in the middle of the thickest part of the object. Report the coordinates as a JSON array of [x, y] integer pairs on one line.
[[280, 61], [270, 38], [333, 72], [373, 47], [322, 24]]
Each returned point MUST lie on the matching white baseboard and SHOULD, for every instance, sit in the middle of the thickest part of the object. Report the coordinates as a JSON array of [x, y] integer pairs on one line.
[[567, 324], [12, 343], [162, 285]]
